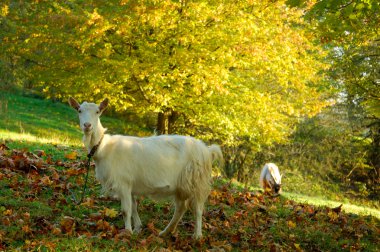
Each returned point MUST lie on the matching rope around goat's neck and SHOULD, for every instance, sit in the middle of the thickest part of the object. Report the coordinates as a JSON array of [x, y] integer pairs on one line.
[[95, 148], [89, 156]]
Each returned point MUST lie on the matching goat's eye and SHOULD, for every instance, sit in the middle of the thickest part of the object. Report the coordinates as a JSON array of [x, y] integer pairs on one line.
[[97, 112], [79, 111]]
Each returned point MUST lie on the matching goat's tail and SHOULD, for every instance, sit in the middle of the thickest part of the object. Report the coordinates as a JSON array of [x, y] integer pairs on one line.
[[195, 179]]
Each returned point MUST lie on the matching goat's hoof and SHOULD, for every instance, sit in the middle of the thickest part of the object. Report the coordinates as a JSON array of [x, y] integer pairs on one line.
[[163, 233], [125, 233], [197, 236], [137, 230], [129, 231]]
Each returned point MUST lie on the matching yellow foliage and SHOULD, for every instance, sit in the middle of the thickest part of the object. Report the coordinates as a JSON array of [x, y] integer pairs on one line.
[[110, 212], [233, 70], [4, 10]]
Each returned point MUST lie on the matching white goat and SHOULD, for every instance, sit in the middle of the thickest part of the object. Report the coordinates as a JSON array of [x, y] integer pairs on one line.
[[270, 178], [159, 166]]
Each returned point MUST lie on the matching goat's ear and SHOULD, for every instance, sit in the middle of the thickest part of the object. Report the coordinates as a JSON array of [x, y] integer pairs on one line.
[[103, 105], [73, 103]]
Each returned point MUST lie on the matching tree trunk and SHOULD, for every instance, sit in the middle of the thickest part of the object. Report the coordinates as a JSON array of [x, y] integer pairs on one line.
[[375, 152], [241, 176], [162, 124], [165, 122]]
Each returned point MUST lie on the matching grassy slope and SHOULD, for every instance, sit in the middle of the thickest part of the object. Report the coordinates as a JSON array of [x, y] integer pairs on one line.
[[40, 124], [39, 120]]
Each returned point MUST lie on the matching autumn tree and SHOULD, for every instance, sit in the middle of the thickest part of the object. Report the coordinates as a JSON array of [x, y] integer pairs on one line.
[[241, 72]]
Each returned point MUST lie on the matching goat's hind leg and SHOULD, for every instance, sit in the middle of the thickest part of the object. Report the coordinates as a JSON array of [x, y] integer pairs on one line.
[[180, 209], [135, 216], [198, 212]]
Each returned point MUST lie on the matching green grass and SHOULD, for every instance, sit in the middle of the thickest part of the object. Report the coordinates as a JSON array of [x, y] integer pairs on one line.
[[38, 120], [320, 190], [314, 188], [347, 207], [235, 219], [318, 199], [40, 124]]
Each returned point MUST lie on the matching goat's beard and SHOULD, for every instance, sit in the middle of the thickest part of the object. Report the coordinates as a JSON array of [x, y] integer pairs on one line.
[[87, 137], [87, 132]]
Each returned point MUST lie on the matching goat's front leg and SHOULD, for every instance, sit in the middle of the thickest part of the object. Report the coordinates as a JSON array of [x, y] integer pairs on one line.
[[126, 206], [135, 216]]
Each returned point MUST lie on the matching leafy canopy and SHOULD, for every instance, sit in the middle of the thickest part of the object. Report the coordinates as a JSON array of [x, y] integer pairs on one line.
[[351, 30], [236, 71]]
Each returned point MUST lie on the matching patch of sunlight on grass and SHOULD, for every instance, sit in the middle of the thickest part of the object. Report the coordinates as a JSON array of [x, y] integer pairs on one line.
[[347, 207], [53, 139], [318, 201]]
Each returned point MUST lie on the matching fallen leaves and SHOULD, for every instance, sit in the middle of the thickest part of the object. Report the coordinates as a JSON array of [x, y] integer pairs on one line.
[[26, 229], [297, 246], [112, 213], [234, 219], [291, 224], [20, 160], [72, 155], [337, 209], [67, 225]]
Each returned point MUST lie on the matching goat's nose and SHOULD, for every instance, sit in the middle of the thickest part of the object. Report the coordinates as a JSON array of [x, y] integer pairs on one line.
[[87, 125]]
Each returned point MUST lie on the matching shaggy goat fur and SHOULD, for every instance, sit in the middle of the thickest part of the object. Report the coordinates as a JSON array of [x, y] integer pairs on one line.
[[172, 166], [270, 178]]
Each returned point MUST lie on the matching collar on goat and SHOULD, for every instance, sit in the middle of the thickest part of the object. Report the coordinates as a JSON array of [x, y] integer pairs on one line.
[[94, 148]]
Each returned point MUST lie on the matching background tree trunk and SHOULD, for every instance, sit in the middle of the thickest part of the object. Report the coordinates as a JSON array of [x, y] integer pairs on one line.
[[374, 157], [166, 121]]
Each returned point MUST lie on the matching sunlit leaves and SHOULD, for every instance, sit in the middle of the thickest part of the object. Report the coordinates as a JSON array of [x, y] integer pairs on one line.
[[4, 10], [351, 29], [112, 213], [229, 69]]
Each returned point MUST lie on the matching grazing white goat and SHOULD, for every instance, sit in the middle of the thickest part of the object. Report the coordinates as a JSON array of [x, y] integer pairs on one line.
[[270, 178], [159, 166]]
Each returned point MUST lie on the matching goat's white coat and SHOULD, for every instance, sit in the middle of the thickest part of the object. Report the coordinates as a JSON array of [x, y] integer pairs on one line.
[[159, 166], [270, 175]]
